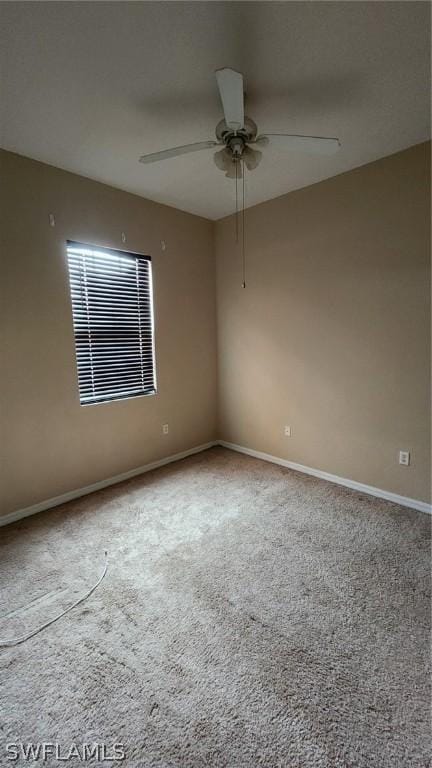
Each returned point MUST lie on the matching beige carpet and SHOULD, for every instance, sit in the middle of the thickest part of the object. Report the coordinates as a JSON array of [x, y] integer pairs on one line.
[[251, 616]]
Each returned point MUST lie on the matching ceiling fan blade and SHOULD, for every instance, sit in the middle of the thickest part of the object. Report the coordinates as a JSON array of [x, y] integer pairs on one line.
[[316, 145], [165, 154], [230, 85]]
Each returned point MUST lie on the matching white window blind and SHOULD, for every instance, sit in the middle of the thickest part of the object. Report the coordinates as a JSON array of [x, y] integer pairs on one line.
[[112, 306]]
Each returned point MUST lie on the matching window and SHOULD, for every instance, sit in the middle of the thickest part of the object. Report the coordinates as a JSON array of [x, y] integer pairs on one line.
[[112, 306]]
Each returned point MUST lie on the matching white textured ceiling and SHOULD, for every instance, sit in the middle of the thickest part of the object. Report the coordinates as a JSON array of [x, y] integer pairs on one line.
[[91, 86]]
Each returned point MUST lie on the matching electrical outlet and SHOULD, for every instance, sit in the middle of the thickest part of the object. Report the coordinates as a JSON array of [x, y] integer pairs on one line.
[[404, 458], [287, 431], [165, 429]]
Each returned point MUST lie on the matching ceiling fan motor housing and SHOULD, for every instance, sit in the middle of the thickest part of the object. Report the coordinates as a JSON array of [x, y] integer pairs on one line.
[[237, 148], [236, 140]]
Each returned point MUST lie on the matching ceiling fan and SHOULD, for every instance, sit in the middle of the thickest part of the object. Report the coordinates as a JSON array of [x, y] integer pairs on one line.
[[238, 134]]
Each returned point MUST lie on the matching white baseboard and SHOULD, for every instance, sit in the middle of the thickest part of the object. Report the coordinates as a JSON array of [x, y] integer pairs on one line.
[[12, 517], [421, 506], [18, 514]]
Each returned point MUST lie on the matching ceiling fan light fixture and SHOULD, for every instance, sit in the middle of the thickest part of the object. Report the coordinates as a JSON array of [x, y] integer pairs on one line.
[[222, 158], [262, 141], [234, 170], [251, 157], [226, 161]]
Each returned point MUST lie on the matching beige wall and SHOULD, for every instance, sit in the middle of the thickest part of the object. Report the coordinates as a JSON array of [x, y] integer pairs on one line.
[[332, 333], [50, 444]]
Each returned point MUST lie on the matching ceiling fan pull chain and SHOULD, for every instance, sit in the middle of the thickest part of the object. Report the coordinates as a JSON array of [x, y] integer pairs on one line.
[[243, 229], [236, 199]]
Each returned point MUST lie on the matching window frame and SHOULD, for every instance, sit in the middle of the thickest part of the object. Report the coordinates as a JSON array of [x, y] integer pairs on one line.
[[113, 252]]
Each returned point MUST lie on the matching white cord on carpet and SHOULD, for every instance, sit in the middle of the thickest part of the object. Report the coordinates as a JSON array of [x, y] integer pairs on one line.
[[23, 638]]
